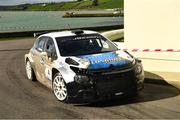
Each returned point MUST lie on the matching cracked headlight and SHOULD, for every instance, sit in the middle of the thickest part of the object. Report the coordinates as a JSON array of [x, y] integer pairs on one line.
[[81, 79], [84, 62]]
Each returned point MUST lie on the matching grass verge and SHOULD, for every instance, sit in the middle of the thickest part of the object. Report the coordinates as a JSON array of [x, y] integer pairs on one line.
[[81, 5]]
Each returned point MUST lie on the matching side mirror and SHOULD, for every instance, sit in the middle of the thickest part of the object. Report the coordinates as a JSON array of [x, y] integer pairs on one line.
[[44, 54], [48, 54]]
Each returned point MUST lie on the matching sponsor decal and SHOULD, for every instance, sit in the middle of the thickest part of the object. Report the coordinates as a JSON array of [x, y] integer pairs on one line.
[[108, 60], [105, 60]]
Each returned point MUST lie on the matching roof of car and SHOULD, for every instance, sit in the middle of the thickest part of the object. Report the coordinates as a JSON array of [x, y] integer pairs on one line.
[[66, 33]]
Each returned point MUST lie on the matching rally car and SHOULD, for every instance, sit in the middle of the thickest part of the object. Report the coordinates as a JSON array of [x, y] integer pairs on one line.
[[83, 64]]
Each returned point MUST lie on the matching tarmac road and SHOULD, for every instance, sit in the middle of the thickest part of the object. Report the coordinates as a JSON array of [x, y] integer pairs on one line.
[[21, 98]]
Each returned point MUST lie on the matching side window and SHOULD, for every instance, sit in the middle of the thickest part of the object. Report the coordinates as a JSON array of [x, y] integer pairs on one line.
[[40, 44], [105, 44], [50, 48]]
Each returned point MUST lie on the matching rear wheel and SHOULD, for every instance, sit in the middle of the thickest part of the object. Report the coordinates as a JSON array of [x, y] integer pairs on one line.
[[60, 88], [29, 71]]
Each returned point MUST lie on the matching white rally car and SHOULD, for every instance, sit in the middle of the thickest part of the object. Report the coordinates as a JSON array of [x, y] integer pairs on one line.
[[84, 65]]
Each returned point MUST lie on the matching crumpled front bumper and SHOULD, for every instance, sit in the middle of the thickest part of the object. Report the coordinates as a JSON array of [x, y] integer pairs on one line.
[[107, 85]]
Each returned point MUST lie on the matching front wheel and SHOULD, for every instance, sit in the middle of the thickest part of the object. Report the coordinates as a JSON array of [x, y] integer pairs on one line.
[[60, 88]]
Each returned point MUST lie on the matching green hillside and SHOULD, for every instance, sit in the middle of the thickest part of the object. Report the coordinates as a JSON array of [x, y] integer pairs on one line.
[[84, 4]]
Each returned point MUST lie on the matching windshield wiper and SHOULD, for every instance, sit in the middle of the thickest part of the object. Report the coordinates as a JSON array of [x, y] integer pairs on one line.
[[100, 52], [105, 51]]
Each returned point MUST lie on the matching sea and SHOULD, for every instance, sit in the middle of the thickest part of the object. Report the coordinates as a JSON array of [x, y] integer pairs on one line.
[[20, 21]]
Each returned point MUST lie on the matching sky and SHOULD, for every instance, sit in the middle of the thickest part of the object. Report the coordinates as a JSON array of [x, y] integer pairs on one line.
[[16, 2]]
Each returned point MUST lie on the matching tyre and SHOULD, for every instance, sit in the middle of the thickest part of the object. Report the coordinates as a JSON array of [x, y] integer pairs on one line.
[[29, 71], [60, 88]]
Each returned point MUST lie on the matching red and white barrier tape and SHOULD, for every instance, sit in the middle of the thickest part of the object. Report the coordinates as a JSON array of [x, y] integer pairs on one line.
[[151, 50]]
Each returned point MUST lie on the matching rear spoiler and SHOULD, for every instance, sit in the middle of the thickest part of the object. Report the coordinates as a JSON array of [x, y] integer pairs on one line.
[[39, 33]]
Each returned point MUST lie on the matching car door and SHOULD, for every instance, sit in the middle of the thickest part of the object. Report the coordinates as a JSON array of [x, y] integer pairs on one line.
[[48, 60], [39, 60]]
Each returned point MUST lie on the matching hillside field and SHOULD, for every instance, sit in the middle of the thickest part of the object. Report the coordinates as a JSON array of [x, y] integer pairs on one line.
[[82, 5]]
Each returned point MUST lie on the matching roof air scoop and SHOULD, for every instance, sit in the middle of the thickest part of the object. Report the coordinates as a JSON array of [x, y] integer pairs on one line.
[[77, 32]]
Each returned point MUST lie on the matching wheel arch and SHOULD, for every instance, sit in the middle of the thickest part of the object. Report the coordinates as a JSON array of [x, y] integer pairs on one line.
[[28, 57], [54, 71], [67, 75]]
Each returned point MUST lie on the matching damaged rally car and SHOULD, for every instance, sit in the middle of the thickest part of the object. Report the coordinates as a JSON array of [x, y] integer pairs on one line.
[[83, 64]]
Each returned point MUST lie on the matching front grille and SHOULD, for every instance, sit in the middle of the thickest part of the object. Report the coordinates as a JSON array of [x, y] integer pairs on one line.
[[111, 70], [114, 83]]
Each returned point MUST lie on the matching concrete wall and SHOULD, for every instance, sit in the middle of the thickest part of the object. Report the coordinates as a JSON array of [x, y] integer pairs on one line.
[[154, 24]]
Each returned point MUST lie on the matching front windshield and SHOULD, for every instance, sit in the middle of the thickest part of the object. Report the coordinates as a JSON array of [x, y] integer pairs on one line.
[[84, 45]]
